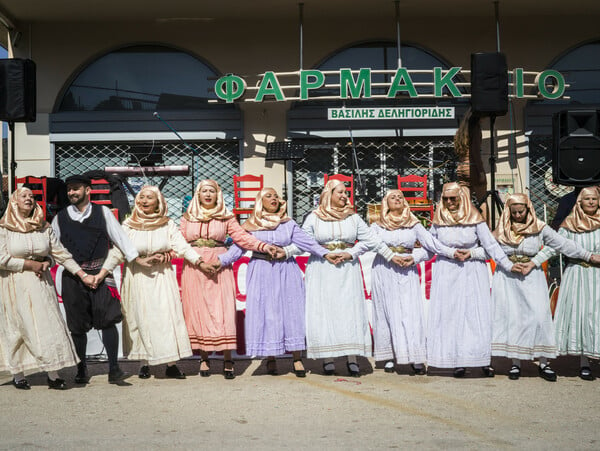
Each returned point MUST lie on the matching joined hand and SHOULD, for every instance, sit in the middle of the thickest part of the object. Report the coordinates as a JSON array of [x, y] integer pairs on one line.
[[42, 269], [403, 262], [462, 254], [337, 257], [522, 268]]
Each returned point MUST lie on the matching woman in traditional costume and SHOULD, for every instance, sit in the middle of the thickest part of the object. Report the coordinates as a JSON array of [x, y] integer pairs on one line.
[[460, 315], [33, 333], [336, 310], [154, 330], [275, 295], [398, 325], [522, 325], [577, 317], [208, 296]]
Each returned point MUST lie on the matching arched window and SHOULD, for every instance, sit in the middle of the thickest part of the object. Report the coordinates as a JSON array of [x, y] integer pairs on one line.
[[581, 68], [141, 78]]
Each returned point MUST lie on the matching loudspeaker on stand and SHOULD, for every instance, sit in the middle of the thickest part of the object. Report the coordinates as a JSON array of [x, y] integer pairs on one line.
[[576, 147], [17, 90], [489, 84]]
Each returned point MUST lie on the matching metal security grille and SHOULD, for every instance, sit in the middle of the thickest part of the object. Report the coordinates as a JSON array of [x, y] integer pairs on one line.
[[379, 164], [544, 193], [215, 160]]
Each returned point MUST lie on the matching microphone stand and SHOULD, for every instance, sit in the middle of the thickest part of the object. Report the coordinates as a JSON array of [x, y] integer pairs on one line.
[[355, 168], [195, 151]]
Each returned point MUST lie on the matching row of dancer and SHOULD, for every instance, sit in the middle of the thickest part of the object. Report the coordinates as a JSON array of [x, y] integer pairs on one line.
[[466, 326], [336, 320], [329, 317]]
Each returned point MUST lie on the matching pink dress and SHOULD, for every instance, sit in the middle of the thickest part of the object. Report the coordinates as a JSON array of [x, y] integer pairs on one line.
[[209, 302]]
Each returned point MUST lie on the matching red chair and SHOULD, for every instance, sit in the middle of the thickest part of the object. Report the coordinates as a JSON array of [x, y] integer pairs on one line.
[[100, 194], [38, 188], [416, 185], [242, 195], [348, 180]]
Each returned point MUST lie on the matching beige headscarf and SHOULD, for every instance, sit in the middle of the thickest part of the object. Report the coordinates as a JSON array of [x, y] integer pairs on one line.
[[260, 219], [390, 221], [13, 221], [466, 214], [328, 212], [512, 233], [142, 221], [578, 220], [197, 213]]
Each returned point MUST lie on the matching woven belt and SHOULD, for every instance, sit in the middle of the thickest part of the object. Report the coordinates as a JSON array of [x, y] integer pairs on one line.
[[37, 258], [400, 249], [262, 256], [576, 261], [92, 264], [519, 258], [336, 246], [201, 242]]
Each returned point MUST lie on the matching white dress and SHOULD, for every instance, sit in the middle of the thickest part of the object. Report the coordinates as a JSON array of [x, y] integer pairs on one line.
[[33, 333], [460, 314], [398, 320], [336, 310], [154, 328], [577, 315], [522, 326]]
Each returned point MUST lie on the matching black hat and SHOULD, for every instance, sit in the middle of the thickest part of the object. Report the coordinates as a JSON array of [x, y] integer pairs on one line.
[[78, 179]]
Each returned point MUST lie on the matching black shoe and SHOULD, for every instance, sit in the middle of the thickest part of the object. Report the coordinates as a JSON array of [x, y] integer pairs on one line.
[[488, 371], [329, 369], [22, 384], [514, 373], [57, 384], [205, 373], [389, 367], [144, 372], [272, 367], [117, 375], [353, 369], [421, 371], [547, 373], [585, 373], [228, 373], [299, 373], [173, 372], [82, 377], [460, 372]]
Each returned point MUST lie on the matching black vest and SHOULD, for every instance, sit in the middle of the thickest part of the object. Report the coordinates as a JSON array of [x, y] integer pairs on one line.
[[87, 240]]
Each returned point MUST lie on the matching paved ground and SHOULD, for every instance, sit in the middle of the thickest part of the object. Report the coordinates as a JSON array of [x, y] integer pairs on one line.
[[258, 411]]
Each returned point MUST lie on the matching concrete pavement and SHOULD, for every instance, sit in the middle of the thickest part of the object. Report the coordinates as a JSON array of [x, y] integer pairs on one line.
[[258, 411]]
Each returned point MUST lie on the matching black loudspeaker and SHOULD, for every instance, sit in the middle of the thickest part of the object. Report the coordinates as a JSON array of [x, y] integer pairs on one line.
[[489, 84], [17, 90], [576, 147]]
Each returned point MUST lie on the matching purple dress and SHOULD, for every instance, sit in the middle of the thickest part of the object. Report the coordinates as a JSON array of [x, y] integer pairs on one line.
[[398, 323], [275, 295]]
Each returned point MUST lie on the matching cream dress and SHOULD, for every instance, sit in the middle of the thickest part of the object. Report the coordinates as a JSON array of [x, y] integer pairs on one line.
[[154, 328], [33, 333], [336, 311]]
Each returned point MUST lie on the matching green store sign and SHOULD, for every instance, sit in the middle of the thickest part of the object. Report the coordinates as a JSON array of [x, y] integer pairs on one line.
[[354, 84]]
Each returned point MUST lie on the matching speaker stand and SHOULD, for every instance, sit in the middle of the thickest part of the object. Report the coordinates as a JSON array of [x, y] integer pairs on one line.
[[13, 162], [492, 193]]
